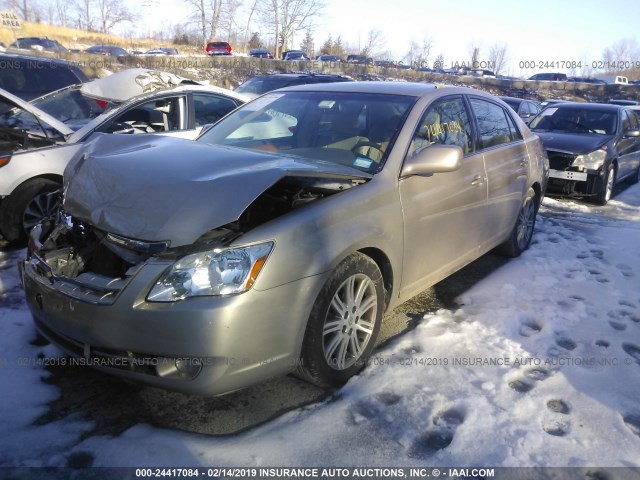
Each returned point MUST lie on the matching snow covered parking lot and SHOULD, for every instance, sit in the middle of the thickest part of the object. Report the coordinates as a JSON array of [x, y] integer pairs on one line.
[[538, 366]]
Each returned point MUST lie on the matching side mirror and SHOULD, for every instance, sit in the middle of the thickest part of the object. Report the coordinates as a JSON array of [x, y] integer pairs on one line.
[[433, 159], [121, 128], [632, 132]]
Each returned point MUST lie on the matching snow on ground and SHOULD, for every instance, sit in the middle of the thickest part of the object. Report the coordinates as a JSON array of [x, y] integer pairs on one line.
[[540, 366]]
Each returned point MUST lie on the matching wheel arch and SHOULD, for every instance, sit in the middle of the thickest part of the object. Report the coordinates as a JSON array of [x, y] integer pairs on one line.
[[384, 264]]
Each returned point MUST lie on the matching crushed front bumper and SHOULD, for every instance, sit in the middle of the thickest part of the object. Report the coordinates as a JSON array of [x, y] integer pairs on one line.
[[201, 345]]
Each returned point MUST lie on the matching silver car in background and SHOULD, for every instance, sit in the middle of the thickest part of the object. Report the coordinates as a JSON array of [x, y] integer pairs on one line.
[[277, 240], [36, 144]]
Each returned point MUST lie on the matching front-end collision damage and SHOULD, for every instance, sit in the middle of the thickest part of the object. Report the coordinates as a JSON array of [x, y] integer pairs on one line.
[[119, 214], [166, 189]]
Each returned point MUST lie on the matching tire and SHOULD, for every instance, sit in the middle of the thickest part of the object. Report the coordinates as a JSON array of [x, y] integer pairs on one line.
[[27, 206], [343, 324], [520, 237], [606, 189], [635, 178]]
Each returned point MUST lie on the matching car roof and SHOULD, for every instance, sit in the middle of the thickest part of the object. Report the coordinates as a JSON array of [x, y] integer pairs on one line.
[[595, 106], [21, 56], [514, 99], [390, 88], [300, 75]]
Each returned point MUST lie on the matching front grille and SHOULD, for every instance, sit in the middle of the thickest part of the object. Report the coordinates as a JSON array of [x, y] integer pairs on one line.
[[103, 357], [560, 160]]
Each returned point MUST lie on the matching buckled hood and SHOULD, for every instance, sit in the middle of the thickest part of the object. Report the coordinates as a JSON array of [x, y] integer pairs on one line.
[[167, 189]]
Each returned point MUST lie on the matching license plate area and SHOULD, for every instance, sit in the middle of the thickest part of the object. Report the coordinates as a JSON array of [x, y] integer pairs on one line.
[[566, 175]]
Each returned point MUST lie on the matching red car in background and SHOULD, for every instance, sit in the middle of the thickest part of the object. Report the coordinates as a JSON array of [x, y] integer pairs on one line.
[[218, 48]]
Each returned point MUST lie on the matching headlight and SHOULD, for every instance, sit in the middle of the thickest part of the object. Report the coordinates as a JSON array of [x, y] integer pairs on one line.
[[217, 272], [591, 161]]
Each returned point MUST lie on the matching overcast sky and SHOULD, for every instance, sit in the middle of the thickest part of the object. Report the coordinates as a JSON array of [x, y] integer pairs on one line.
[[540, 31]]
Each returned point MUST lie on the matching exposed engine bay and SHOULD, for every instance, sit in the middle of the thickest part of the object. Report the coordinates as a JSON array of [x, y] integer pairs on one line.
[[72, 249]]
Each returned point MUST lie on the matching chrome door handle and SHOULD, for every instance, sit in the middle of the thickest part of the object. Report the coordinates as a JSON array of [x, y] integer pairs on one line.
[[478, 180]]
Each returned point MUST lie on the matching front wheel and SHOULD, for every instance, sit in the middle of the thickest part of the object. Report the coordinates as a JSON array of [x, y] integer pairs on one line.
[[30, 204], [604, 195], [522, 232], [344, 323]]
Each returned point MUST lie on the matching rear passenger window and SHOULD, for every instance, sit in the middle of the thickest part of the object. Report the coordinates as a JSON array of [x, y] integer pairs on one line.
[[514, 132], [210, 108], [493, 123], [444, 123]]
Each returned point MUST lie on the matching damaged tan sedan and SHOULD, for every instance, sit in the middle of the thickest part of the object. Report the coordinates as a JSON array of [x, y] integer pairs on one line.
[[277, 241]]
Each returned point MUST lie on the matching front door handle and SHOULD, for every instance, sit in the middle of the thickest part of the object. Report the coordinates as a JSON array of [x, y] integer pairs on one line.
[[478, 180]]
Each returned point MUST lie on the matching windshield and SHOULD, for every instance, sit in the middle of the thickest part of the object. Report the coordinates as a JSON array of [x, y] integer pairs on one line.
[[353, 129], [512, 103], [260, 85], [576, 120], [70, 106], [21, 130]]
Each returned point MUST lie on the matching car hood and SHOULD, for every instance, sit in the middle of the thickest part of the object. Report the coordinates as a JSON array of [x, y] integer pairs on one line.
[[577, 143], [39, 114], [121, 86], [165, 189]]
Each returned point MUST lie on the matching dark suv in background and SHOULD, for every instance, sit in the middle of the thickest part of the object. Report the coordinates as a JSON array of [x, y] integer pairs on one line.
[[38, 43], [265, 83], [30, 77], [553, 77]]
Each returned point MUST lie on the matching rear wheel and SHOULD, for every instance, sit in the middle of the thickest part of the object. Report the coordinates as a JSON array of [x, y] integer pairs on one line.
[[27, 206], [344, 323], [522, 232], [606, 189]]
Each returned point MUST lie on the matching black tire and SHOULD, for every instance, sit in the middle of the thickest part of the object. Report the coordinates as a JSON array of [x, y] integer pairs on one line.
[[635, 178], [606, 188], [522, 232], [342, 331], [23, 208]]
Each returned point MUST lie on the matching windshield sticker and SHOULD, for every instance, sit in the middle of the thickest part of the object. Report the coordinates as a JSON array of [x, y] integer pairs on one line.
[[548, 111], [261, 102], [362, 162]]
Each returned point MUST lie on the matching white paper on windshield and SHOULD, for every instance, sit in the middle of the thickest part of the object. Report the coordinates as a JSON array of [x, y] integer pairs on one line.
[[261, 102], [548, 111]]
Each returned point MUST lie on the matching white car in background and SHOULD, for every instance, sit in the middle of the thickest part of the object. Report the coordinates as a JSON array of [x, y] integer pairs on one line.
[[35, 146]]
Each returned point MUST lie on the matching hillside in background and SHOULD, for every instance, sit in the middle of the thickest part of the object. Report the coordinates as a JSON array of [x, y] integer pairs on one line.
[[81, 39]]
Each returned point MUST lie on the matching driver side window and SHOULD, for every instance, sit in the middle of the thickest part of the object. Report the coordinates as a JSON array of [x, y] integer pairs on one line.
[[444, 123], [160, 115]]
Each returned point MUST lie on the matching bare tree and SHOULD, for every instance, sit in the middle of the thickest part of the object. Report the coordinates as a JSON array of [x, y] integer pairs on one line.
[[375, 40], [475, 56], [307, 45], [25, 8], [615, 57], [438, 63], [85, 15], [246, 30], [215, 7], [112, 12], [425, 51], [63, 16], [414, 52], [207, 14], [498, 57], [288, 17], [418, 54]]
